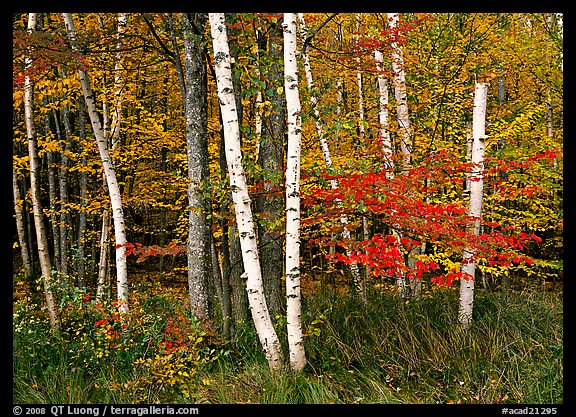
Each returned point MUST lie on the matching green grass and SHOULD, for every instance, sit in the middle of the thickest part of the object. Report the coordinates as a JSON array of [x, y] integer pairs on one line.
[[385, 352]]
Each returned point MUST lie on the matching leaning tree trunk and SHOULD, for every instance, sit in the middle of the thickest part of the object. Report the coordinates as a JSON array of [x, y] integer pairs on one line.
[[293, 299], [476, 177], [248, 242], [42, 241], [196, 115], [113, 186]]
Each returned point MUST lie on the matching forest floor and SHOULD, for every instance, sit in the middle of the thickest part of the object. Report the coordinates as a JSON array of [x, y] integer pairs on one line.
[[388, 351]]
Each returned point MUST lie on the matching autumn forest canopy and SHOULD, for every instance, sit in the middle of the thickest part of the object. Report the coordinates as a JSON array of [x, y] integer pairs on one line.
[[198, 192]]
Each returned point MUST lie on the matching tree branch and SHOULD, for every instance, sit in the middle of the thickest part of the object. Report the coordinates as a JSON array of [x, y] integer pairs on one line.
[[309, 38]]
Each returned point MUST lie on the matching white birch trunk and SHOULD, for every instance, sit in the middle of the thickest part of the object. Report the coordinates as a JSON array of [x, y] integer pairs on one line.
[[383, 116], [293, 300], [113, 187], [401, 95], [387, 151], [402, 115], [103, 260], [356, 279], [248, 242], [118, 81], [476, 176], [41, 239]]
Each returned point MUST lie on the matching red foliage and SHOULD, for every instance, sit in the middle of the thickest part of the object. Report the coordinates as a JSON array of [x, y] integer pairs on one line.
[[401, 205]]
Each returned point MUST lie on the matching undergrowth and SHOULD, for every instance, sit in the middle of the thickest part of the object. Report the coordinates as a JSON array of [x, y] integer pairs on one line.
[[386, 352]]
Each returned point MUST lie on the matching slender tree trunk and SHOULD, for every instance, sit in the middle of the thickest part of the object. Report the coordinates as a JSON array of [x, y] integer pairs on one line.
[[52, 190], [101, 287], [28, 217], [223, 291], [118, 82], [362, 131], [53, 210], [254, 286], [196, 114], [114, 189], [82, 221], [355, 271], [65, 219], [42, 241], [387, 150], [400, 93], [475, 204], [20, 228], [404, 133], [293, 299]]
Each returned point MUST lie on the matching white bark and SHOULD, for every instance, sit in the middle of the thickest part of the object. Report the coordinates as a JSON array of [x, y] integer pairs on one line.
[[383, 115], [103, 261], [404, 131], [113, 187], [118, 81], [387, 151], [356, 280], [248, 242], [476, 176], [400, 94], [41, 239], [293, 300]]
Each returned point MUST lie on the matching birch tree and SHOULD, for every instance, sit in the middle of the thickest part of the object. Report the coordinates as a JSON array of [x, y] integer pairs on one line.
[[388, 164], [400, 94], [118, 81], [405, 136], [476, 181], [293, 303], [41, 239], [248, 242], [113, 187]]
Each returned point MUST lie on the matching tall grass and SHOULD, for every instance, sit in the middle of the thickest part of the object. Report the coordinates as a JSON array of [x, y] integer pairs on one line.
[[385, 352]]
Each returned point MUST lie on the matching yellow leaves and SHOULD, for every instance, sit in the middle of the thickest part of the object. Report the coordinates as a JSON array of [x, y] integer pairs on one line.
[[264, 107], [20, 163], [17, 97]]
